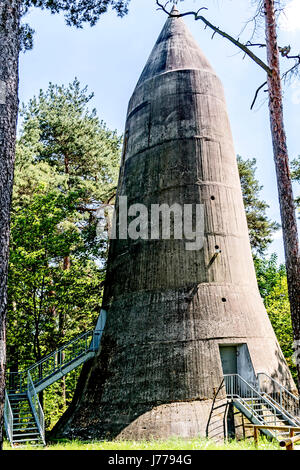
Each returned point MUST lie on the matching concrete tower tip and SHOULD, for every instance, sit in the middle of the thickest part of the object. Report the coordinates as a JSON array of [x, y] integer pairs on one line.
[[175, 10]]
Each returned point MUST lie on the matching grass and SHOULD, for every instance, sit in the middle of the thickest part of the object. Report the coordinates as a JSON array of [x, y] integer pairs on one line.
[[169, 444]]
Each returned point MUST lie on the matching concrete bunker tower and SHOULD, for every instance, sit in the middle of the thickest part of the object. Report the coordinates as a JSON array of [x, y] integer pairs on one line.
[[177, 319]]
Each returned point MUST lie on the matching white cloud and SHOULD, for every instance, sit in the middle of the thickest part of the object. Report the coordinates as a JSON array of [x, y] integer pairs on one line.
[[290, 19]]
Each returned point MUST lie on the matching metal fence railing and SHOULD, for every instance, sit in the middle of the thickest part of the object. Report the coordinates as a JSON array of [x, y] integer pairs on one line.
[[36, 407], [16, 382], [8, 418], [279, 394], [64, 356], [254, 401], [44, 372]]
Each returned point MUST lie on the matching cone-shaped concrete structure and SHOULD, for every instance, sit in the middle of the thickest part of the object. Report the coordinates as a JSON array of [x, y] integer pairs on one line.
[[171, 311]]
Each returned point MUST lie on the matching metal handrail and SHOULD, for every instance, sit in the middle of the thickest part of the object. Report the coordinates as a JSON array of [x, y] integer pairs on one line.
[[8, 419], [74, 340], [213, 408], [65, 355], [16, 382], [24, 382], [282, 387], [36, 408], [279, 385], [281, 408], [284, 398], [236, 387]]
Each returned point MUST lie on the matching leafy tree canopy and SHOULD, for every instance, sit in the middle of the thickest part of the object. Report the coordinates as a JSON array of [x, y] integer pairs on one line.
[[76, 13], [59, 128], [272, 283], [260, 227], [268, 273], [278, 308]]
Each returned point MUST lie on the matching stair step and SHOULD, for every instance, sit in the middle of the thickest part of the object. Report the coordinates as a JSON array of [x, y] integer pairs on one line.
[[19, 399], [26, 429], [24, 424], [18, 404], [259, 400], [26, 440], [16, 398], [25, 416]]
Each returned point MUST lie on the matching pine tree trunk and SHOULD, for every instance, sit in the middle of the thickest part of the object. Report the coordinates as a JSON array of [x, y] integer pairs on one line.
[[286, 199], [9, 52]]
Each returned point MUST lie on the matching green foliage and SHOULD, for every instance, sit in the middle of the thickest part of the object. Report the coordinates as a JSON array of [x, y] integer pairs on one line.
[[272, 283], [67, 165], [54, 401], [46, 300], [60, 129], [26, 37], [268, 273], [76, 13], [278, 308], [168, 444], [259, 226]]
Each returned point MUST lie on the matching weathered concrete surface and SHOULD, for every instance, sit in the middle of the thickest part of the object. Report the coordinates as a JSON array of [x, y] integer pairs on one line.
[[169, 309]]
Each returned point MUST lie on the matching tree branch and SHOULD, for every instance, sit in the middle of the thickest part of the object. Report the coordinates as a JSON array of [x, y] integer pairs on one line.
[[249, 43], [218, 31], [256, 94]]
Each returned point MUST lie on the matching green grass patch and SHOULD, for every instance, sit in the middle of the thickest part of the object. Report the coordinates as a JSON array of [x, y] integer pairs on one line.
[[169, 444]]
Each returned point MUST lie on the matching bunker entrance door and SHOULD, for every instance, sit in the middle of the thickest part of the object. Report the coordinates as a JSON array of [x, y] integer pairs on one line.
[[236, 359], [229, 359]]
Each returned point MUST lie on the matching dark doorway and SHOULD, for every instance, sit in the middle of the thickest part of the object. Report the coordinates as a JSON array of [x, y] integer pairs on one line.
[[229, 359]]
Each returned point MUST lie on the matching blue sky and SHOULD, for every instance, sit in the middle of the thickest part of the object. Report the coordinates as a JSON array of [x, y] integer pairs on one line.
[[110, 57]]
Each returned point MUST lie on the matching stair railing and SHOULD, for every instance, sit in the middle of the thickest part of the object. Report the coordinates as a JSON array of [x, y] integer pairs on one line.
[[36, 407], [237, 387], [216, 406], [64, 356], [8, 419], [95, 342], [25, 381], [16, 382], [279, 394]]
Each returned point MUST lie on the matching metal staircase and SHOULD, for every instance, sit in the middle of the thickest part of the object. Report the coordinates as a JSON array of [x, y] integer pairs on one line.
[[23, 413], [269, 404], [24, 427]]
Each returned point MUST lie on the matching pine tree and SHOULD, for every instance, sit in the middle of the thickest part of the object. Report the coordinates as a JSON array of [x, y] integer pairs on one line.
[[259, 226]]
